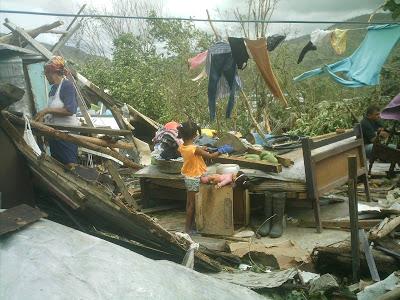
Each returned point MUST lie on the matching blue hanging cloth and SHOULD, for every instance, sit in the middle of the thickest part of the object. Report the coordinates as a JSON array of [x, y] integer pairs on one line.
[[363, 67]]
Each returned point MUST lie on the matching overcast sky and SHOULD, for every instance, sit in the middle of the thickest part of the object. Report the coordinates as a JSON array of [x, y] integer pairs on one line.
[[334, 10]]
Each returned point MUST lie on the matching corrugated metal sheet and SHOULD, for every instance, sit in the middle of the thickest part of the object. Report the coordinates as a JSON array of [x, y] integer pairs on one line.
[[11, 71], [39, 85]]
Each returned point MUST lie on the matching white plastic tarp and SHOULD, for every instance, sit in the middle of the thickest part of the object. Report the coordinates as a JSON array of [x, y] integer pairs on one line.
[[47, 260]]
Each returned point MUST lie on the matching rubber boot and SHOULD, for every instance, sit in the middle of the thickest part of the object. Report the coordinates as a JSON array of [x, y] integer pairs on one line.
[[278, 209], [265, 228]]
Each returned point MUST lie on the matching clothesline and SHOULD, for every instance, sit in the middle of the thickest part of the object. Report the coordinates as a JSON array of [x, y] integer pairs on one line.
[[189, 18]]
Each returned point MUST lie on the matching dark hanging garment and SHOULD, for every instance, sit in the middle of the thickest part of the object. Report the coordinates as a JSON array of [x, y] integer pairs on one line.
[[274, 40], [309, 47], [221, 65], [239, 52]]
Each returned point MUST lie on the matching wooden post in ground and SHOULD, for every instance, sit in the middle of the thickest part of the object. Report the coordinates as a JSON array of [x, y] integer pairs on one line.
[[353, 212]]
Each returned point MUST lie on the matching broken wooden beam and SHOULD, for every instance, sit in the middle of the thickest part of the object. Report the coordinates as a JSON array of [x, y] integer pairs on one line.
[[49, 131], [112, 170], [341, 224], [91, 130], [57, 46], [104, 142], [385, 228], [353, 213], [250, 164], [9, 94], [12, 40], [338, 260]]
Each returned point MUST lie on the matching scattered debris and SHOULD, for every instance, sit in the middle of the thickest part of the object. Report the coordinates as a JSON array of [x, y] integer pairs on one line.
[[375, 291], [281, 255], [18, 217], [324, 284], [254, 280]]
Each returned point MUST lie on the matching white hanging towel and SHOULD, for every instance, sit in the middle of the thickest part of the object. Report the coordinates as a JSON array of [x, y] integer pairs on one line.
[[317, 36]]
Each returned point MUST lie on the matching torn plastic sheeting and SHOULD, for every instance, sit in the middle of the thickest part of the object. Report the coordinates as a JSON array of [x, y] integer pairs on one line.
[[254, 280], [51, 261]]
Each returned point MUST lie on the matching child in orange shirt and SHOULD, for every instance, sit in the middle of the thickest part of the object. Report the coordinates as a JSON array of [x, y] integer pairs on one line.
[[193, 166]]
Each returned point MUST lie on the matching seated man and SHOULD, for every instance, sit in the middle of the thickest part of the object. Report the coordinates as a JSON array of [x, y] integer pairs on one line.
[[372, 127]]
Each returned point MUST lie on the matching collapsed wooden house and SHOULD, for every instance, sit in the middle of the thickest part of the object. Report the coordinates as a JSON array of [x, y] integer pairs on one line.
[[23, 90]]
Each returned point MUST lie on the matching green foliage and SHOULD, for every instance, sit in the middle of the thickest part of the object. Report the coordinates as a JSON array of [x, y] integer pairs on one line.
[[394, 7], [150, 72]]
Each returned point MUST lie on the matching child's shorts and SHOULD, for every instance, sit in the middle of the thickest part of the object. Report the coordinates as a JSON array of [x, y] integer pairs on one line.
[[192, 184]]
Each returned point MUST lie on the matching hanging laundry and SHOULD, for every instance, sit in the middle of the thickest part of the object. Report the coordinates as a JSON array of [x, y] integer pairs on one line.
[[317, 38], [392, 110], [219, 68], [197, 61], [273, 41], [309, 47], [258, 49], [239, 52], [363, 67], [338, 41]]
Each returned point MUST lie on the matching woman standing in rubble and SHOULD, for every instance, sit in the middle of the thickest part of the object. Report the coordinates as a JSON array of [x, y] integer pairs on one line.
[[61, 110]]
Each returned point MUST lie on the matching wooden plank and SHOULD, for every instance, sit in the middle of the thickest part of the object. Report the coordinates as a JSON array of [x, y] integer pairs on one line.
[[35, 44], [214, 210], [64, 38], [250, 164], [353, 213], [120, 183], [312, 191], [337, 150], [12, 40], [17, 217], [342, 224], [68, 27], [328, 176], [91, 130], [279, 186], [331, 140], [48, 131], [161, 208]]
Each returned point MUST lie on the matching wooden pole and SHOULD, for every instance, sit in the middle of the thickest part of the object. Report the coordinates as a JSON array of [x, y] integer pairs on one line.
[[49, 131], [217, 36], [253, 119], [353, 212], [11, 38]]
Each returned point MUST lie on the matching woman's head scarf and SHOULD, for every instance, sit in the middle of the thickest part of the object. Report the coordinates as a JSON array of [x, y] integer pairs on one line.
[[56, 65]]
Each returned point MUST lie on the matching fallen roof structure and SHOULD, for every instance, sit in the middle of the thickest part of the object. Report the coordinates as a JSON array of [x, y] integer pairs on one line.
[[90, 198]]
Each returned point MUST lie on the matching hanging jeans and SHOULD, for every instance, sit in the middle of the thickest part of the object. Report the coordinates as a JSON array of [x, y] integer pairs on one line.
[[258, 49], [363, 67], [221, 65]]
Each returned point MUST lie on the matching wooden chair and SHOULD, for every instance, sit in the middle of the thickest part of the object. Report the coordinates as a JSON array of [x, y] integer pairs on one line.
[[325, 164]]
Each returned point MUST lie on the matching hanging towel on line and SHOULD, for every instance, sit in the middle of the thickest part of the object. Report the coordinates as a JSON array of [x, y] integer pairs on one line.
[[362, 68], [338, 41], [258, 49]]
